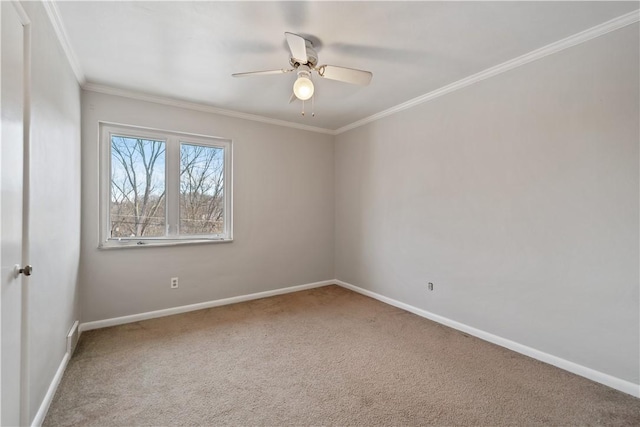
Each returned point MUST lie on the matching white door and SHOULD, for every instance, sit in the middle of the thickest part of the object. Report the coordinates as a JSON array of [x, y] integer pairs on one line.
[[11, 186]]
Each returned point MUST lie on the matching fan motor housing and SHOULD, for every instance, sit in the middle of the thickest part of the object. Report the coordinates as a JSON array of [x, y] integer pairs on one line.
[[312, 56]]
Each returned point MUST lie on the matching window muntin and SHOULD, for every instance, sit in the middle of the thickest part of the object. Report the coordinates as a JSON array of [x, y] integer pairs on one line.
[[160, 187]]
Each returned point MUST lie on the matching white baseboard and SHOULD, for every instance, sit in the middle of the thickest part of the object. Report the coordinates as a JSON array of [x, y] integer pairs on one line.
[[48, 398], [597, 376], [87, 326]]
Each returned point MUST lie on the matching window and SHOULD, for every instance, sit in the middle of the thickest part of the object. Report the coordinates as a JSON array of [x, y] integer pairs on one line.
[[160, 188]]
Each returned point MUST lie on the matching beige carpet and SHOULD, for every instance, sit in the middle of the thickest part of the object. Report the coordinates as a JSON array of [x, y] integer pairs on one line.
[[327, 356]]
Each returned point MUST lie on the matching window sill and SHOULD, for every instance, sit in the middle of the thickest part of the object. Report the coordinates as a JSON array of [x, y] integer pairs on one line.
[[132, 244]]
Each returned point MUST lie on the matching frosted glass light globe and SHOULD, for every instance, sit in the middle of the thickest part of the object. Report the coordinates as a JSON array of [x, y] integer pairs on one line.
[[303, 88]]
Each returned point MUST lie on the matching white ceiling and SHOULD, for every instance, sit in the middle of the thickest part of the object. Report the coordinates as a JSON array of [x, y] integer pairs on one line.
[[188, 50]]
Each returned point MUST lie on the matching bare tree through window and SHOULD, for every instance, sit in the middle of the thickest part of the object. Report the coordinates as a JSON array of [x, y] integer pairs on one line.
[[137, 187], [201, 189]]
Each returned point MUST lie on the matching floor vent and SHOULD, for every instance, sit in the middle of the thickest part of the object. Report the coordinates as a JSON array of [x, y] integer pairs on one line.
[[72, 338]]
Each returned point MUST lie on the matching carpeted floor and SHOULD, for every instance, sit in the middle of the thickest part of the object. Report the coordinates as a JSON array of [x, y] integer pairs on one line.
[[326, 356]]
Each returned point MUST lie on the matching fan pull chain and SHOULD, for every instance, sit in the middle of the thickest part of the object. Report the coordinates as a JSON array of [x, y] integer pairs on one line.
[[313, 107]]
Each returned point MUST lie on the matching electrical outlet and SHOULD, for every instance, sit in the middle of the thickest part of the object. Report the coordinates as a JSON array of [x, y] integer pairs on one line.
[[430, 286], [174, 283]]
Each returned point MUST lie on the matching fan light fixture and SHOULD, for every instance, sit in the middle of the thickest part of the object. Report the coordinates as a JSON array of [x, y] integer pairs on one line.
[[303, 60], [303, 87]]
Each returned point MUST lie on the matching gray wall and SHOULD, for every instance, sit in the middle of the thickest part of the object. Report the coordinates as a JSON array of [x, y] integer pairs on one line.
[[54, 220], [516, 196], [283, 216]]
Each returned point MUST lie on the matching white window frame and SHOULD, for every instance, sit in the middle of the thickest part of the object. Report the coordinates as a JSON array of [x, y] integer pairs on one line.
[[172, 186]]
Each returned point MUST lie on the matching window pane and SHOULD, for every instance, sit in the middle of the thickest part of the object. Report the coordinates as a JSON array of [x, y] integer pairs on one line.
[[201, 189], [137, 187]]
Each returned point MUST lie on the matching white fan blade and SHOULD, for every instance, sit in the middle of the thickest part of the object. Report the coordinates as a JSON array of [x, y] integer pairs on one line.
[[263, 73], [293, 98], [298, 47], [347, 75]]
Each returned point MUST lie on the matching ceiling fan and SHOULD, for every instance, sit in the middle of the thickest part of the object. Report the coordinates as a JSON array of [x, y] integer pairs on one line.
[[304, 60]]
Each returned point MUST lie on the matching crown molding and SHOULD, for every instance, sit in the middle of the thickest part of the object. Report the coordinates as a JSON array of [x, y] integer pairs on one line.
[[576, 39], [109, 90], [56, 21]]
